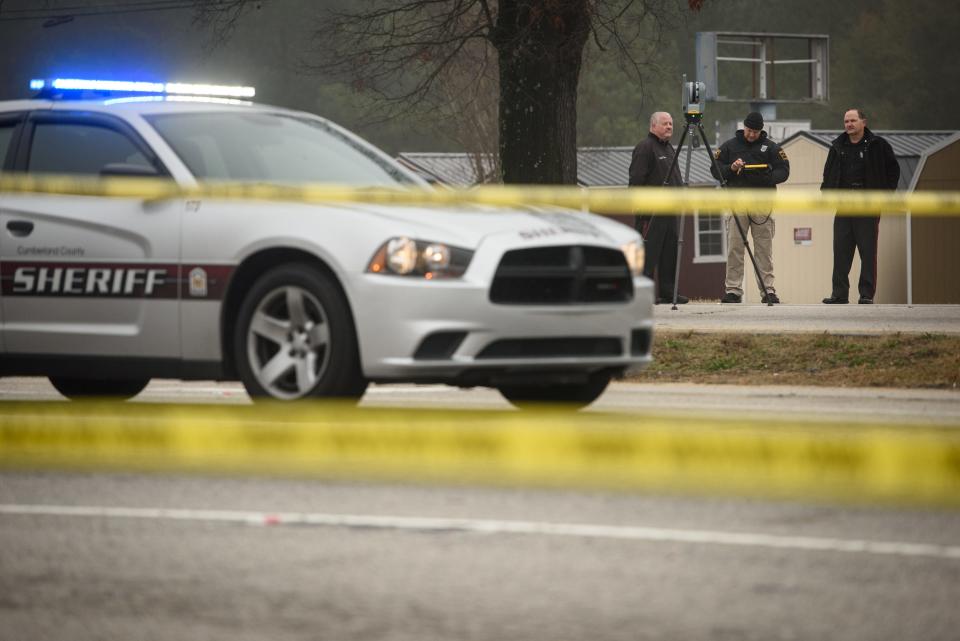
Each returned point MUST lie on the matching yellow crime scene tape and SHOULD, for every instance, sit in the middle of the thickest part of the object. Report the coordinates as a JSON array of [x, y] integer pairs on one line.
[[910, 464], [598, 200]]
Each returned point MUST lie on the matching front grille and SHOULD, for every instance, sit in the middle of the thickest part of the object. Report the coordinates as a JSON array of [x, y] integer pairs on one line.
[[563, 275], [561, 347]]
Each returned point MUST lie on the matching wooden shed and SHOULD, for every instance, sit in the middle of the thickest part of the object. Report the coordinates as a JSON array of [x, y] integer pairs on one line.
[[914, 254]]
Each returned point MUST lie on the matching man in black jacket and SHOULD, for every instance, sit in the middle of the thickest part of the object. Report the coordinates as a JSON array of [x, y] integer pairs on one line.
[[858, 159], [652, 159], [750, 160]]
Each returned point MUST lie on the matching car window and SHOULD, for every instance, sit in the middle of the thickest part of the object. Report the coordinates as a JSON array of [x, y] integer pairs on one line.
[[268, 147], [75, 148], [6, 137]]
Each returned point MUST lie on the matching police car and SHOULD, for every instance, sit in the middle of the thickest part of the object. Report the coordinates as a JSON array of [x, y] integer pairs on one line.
[[293, 299]]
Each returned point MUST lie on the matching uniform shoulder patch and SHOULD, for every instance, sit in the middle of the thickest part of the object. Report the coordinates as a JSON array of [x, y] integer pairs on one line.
[[783, 154], [716, 154]]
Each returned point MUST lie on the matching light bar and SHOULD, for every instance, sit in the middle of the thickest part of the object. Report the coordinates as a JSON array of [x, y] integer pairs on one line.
[[209, 90], [126, 86], [168, 98], [74, 84]]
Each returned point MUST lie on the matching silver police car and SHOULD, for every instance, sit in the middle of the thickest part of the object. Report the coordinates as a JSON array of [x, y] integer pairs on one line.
[[293, 299]]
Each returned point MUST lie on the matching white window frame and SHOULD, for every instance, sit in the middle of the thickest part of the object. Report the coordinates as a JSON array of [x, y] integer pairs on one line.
[[697, 256]]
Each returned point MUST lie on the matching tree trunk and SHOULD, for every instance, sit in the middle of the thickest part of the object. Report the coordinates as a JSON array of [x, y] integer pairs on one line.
[[540, 46]]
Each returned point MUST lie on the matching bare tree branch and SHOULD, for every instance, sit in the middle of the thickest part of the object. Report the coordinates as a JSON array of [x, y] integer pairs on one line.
[[221, 17], [434, 56]]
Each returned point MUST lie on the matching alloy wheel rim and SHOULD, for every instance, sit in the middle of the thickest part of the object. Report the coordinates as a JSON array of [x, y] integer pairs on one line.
[[288, 342]]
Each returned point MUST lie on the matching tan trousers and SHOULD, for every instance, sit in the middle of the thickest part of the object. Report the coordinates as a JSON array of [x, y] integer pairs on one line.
[[762, 248]]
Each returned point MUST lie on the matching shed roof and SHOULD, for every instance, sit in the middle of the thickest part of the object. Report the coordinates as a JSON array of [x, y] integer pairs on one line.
[[908, 146], [904, 143], [609, 166], [453, 169], [596, 166]]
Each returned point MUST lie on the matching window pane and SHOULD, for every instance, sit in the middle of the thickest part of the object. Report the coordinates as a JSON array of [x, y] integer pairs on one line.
[[710, 232], [72, 148], [710, 245], [274, 148], [6, 135], [710, 222]]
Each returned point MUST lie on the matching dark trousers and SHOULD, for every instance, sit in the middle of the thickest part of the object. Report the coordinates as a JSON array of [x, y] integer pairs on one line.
[[860, 233], [660, 247]]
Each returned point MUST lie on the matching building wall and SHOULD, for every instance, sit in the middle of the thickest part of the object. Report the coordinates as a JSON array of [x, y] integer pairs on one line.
[[698, 280], [802, 271], [936, 240], [891, 260]]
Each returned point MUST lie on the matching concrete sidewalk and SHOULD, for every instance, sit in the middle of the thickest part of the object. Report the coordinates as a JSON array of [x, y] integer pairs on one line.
[[835, 319]]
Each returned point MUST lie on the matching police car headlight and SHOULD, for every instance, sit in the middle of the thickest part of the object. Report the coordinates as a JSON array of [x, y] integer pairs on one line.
[[634, 253], [436, 257], [401, 255], [404, 256]]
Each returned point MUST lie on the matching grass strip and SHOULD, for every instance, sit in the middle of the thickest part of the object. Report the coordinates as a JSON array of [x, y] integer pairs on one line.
[[892, 360]]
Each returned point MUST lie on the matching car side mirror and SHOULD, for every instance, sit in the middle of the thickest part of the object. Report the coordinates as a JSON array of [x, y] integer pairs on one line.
[[128, 170]]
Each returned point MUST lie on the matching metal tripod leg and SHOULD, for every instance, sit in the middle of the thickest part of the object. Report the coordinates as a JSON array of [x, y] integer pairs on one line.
[[666, 181], [674, 165], [682, 218]]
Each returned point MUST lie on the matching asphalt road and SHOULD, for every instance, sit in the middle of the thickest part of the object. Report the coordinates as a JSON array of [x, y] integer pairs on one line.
[[123, 556], [422, 563], [806, 402]]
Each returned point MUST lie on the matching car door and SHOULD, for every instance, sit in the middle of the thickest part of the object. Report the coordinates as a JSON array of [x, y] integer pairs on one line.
[[9, 129], [88, 275]]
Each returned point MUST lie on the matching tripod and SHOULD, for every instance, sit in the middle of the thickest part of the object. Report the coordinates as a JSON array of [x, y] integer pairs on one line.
[[695, 119]]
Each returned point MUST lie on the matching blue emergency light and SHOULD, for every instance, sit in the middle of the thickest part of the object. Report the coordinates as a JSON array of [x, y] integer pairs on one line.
[[142, 88]]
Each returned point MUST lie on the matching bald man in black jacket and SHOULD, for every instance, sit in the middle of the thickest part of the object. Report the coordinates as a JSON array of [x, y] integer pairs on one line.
[[652, 159]]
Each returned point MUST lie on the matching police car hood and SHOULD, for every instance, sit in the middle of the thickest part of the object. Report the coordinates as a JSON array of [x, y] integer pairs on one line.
[[468, 226]]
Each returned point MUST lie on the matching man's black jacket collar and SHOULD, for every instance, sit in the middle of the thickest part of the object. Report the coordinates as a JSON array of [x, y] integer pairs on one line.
[[657, 140], [762, 137], [843, 138]]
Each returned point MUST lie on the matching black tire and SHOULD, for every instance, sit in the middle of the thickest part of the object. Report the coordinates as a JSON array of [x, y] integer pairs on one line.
[[85, 388], [295, 337], [568, 396]]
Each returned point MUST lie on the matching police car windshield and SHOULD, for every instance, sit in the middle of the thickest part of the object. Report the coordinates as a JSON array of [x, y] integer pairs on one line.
[[270, 147]]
